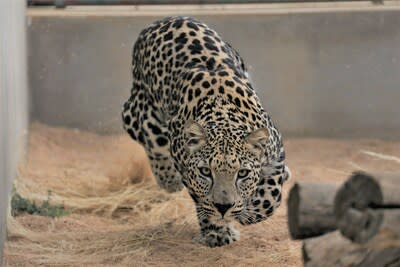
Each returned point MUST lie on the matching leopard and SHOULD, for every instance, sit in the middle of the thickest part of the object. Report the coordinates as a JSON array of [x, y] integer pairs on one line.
[[193, 107]]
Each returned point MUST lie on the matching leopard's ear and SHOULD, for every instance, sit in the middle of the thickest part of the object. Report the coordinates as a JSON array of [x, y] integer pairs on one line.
[[195, 136], [258, 140]]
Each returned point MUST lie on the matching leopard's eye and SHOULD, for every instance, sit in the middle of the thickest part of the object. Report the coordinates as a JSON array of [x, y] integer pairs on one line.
[[243, 173], [205, 171]]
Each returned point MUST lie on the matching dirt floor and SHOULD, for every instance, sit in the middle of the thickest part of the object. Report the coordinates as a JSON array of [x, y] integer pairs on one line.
[[117, 216]]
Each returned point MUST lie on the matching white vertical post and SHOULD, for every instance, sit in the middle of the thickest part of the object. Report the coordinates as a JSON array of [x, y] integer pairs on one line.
[[13, 100]]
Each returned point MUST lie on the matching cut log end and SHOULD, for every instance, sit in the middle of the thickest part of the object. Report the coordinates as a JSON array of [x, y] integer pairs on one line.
[[293, 212], [310, 209], [360, 203], [358, 192], [360, 226]]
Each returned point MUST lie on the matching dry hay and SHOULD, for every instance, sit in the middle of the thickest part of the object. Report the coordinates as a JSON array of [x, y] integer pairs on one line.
[[119, 216], [116, 246]]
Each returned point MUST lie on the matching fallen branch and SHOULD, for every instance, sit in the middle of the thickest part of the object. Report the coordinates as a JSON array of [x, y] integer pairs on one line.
[[381, 156]]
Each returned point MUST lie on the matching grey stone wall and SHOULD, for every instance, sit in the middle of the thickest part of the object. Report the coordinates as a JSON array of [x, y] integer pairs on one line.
[[318, 73]]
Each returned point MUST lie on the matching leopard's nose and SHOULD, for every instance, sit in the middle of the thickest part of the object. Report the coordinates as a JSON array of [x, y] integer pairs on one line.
[[222, 208]]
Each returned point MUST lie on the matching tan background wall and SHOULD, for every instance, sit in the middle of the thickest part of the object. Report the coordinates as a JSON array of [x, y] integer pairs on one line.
[[321, 72]]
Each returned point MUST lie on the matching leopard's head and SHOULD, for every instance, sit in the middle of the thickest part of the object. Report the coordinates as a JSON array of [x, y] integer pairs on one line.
[[223, 166]]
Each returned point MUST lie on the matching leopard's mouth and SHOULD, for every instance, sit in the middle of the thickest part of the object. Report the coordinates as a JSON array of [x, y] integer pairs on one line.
[[219, 219], [227, 217]]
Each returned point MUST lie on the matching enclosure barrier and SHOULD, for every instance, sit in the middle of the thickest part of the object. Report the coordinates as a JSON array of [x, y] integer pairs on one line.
[[354, 224], [338, 63], [13, 100]]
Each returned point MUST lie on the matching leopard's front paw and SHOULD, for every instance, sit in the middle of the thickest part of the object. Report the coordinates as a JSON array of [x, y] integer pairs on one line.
[[218, 237]]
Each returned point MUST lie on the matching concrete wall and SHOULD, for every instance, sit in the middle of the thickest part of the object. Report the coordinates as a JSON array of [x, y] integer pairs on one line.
[[320, 70], [13, 100]]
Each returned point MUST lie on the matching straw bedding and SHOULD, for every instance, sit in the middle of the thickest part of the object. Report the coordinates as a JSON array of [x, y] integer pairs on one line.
[[117, 216]]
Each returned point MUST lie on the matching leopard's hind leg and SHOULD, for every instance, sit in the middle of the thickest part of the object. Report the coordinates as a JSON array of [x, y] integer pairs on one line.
[[144, 126]]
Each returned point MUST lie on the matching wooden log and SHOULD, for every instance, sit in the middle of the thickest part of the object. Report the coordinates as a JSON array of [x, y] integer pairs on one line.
[[310, 209], [334, 250], [362, 203], [391, 221], [361, 226]]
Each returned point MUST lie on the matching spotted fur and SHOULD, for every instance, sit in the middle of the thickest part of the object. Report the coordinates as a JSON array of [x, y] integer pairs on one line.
[[195, 111]]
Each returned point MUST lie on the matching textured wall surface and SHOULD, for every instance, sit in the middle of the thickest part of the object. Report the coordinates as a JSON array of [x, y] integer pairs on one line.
[[319, 73], [13, 100]]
